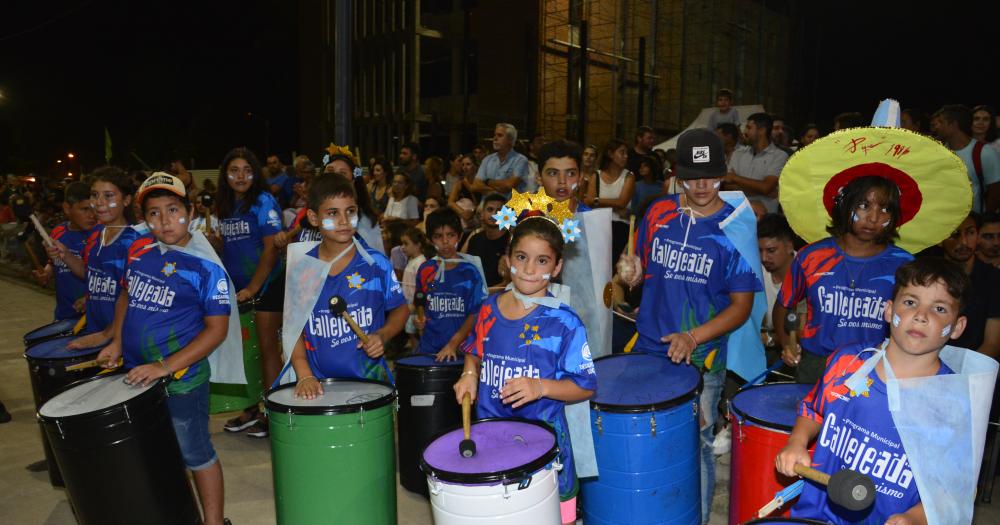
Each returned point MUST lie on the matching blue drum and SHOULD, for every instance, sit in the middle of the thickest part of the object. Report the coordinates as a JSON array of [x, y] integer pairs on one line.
[[786, 521], [644, 418], [60, 328], [47, 367]]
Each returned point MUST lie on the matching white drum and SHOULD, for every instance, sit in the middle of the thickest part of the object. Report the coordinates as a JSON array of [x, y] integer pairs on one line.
[[511, 480]]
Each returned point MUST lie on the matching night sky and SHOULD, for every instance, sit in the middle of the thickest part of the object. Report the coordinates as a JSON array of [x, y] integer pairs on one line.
[[179, 78]]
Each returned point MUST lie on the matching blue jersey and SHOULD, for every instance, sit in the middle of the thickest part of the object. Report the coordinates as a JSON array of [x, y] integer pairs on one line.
[[691, 267], [105, 268], [548, 343], [857, 433], [69, 288], [243, 238], [845, 296], [449, 303], [371, 292], [169, 296]]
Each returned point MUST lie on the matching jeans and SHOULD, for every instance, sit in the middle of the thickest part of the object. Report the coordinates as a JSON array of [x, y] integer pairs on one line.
[[709, 405]]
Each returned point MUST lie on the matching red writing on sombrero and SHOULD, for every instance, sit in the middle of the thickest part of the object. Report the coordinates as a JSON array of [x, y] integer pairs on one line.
[[892, 150]]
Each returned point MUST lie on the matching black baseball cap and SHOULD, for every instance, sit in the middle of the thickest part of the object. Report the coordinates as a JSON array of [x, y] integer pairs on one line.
[[700, 155]]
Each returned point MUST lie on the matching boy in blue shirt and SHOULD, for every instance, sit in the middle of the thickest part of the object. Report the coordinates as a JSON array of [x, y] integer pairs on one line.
[[173, 311], [855, 428], [70, 289], [326, 345], [453, 286]]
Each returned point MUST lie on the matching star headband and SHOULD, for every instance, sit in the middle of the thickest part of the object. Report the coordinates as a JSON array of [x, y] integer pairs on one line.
[[557, 212]]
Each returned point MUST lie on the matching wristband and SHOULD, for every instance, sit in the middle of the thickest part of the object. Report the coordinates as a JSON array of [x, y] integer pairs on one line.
[[307, 377], [693, 338], [170, 372], [469, 372]]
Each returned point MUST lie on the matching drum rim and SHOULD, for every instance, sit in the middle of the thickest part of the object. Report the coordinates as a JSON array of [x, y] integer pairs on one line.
[[756, 420], [158, 385], [332, 410], [72, 320], [653, 407], [509, 476], [783, 519], [437, 366], [83, 352]]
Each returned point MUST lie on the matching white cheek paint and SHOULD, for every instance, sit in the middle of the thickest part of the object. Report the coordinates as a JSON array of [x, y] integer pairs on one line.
[[112, 204], [546, 276], [854, 217], [354, 221], [946, 331], [151, 226], [513, 270], [182, 220], [231, 178], [717, 184], [687, 186], [895, 320], [886, 223], [573, 187], [328, 224]]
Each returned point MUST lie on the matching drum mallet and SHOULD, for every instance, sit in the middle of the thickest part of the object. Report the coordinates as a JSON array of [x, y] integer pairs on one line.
[[467, 447], [847, 488], [791, 327], [420, 302], [338, 306]]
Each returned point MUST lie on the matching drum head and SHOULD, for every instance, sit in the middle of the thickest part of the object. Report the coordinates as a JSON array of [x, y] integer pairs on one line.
[[55, 349], [774, 406], [427, 361], [506, 450], [92, 395], [340, 396], [639, 382], [63, 326]]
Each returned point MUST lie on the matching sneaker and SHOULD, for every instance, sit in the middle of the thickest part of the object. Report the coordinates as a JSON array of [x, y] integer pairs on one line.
[[723, 442], [226, 521], [243, 421], [41, 465], [259, 429], [4, 415]]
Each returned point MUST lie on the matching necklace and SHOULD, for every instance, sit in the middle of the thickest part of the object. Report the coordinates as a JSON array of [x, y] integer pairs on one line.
[[853, 276]]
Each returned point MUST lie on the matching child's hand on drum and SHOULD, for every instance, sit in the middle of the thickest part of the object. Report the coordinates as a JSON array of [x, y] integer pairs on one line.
[[448, 353], [308, 388], [682, 345], [374, 348], [522, 390], [145, 374], [793, 454]]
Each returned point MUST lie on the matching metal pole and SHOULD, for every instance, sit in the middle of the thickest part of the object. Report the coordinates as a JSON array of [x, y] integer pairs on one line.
[[640, 104], [582, 106], [342, 132]]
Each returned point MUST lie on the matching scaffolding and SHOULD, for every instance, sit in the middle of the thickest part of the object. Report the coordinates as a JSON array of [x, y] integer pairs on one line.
[[676, 53]]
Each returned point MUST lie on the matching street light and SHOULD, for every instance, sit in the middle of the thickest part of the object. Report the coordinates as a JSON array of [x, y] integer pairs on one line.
[[70, 155], [58, 161]]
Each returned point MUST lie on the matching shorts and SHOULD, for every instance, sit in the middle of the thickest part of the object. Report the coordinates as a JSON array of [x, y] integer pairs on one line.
[[272, 299], [189, 414]]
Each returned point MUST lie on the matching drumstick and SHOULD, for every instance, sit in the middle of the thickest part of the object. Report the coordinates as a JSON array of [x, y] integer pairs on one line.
[[781, 497], [847, 488], [631, 236], [41, 230], [338, 306], [467, 447], [90, 364], [420, 301]]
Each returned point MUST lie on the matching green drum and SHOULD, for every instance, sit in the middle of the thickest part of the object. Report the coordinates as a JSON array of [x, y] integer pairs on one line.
[[333, 456], [229, 398]]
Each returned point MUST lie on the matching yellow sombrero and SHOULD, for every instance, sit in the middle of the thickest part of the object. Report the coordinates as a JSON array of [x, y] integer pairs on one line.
[[935, 191]]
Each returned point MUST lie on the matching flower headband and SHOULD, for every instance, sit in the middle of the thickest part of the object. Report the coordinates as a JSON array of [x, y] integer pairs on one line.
[[557, 212], [334, 150]]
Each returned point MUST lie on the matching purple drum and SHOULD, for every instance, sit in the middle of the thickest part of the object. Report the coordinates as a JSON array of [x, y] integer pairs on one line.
[[512, 479]]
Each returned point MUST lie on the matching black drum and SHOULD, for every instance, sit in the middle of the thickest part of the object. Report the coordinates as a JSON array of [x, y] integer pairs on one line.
[[60, 328], [47, 363], [427, 408], [116, 447]]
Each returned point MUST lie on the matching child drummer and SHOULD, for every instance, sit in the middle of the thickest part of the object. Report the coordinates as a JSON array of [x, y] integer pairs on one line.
[[849, 409], [173, 311], [326, 346], [527, 355]]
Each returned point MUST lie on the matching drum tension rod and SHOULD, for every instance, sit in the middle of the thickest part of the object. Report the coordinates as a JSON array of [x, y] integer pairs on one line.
[[291, 419], [59, 426], [361, 417], [600, 429], [127, 416], [652, 424]]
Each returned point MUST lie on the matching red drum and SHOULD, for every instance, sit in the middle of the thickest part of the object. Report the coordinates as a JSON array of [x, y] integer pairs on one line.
[[762, 418]]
